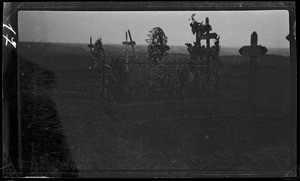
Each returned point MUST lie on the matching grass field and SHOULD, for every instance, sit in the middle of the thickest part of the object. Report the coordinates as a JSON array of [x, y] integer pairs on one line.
[[217, 134]]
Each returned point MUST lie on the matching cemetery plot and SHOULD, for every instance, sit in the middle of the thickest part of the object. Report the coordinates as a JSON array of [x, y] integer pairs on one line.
[[158, 76], [153, 110]]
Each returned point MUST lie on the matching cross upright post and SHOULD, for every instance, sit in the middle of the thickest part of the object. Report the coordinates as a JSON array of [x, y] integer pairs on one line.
[[132, 43], [91, 46], [252, 51], [207, 33], [127, 43], [126, 38], [253, 65], [126, 54]]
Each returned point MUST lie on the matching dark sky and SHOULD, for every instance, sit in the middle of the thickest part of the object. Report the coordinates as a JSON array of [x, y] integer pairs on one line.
[[234, 27]]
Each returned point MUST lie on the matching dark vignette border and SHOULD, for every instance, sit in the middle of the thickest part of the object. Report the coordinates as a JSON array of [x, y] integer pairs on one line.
[[10, 86]]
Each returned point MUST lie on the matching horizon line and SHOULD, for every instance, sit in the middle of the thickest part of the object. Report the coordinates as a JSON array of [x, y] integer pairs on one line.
[[123, 45]]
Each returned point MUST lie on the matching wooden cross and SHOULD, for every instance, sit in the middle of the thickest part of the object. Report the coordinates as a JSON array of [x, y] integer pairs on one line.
[[207, 36], [207, 33], [253, 51], [91, 46], [132, 43]]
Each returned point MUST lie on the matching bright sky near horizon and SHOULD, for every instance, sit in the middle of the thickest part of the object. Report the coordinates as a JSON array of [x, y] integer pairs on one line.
[[234, 27]]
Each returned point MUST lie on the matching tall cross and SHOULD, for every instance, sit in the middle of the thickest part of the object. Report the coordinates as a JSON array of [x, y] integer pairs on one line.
[[207, 36], [207, 33], [253, 51], [91, 46], [126, 42], [132, 43]]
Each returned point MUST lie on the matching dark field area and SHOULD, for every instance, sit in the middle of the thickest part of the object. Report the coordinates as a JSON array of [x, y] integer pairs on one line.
[[218, 134]]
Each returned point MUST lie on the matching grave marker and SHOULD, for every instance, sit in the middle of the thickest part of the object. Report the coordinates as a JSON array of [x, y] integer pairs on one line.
[[253, 51], [126, 42]]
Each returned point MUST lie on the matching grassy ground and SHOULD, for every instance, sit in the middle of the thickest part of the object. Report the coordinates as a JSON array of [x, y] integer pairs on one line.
[[217, 134]]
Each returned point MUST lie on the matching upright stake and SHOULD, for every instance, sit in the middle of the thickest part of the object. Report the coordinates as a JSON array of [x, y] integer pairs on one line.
[[207, 54], [253, 65], [132, 43], [207, 32], [91, 51], [126, 38], [127, 60], [91, 45]]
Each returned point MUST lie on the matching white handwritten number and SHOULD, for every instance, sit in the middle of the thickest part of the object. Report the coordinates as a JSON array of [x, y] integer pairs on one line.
[[9, 27], [12, 42]]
